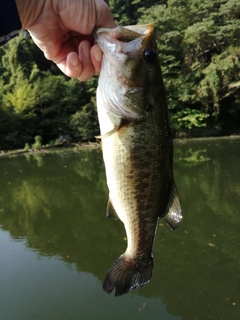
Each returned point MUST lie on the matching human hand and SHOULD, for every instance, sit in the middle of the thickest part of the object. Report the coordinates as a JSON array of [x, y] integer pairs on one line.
[[62, 29]]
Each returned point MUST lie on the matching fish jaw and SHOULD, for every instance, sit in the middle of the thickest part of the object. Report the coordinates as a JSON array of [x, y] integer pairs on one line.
[[109, 40]]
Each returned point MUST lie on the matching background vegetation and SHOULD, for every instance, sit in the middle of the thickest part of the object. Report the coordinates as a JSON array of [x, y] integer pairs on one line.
[[199, 48]]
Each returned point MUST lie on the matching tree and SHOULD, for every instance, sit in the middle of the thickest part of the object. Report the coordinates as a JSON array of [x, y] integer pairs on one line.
[[38, 98], [199, 48]]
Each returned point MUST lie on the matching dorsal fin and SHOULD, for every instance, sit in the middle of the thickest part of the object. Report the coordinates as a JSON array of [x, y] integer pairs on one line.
[[111, 213], [173, 215]]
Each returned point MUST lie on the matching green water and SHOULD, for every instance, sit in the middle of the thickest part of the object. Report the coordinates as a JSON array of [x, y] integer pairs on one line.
[[56, 244]]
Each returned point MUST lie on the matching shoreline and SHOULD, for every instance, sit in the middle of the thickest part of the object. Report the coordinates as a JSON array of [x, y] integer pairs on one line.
[[46, 149], [93, 145]]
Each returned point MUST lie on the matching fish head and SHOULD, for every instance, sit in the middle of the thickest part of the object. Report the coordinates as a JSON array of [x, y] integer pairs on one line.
[[129, 78]]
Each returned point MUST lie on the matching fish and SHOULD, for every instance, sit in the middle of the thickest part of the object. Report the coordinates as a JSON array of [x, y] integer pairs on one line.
[[137, 149]]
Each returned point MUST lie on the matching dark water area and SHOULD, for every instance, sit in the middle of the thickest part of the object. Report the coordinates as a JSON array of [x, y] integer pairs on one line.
[[56, 245]]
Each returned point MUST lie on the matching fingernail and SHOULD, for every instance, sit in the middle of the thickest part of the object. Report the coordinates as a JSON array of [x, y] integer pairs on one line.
[[98, 54], [85, 49], [74, 61]]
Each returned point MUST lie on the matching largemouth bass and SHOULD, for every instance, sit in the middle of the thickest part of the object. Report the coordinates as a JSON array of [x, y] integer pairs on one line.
[[137, 149]]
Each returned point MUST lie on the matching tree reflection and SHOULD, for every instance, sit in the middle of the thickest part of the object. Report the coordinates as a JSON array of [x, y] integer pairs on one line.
[[59, 207]]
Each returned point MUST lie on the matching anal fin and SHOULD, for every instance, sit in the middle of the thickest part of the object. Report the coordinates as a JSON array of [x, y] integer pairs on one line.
[[173, 216], [111, 213]]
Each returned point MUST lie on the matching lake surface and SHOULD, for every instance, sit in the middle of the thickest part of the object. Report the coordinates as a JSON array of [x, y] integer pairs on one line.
[[56, 245]]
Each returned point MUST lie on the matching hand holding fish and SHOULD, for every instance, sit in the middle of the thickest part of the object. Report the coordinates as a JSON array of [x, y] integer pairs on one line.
[[63, 31]]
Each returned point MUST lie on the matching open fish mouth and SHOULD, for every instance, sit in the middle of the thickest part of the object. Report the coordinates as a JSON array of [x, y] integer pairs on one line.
[[114, 40], [127, 33]]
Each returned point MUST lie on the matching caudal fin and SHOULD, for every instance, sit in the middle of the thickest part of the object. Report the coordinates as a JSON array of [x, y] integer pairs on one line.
[[126, 275]]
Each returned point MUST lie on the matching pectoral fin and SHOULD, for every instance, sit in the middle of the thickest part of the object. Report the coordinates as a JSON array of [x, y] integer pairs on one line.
[[122, 123], [111, 213], [173, 215], [107, 134]]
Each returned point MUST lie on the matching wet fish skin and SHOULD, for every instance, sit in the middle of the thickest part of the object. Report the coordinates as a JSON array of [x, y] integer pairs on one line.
[[137, 149]]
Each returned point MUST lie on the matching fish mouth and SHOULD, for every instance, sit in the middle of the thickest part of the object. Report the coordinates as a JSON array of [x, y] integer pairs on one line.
[[113, 41], [122, 42], [123, 49]]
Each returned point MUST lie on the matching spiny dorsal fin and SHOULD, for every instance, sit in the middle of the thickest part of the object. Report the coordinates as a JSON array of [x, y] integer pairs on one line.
[[111, 213], [173, 215]]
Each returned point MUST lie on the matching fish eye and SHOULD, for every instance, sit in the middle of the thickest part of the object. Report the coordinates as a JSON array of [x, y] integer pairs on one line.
[[150, 55]]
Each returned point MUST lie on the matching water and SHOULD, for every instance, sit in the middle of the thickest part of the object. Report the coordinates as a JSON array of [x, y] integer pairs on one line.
[[56, 244]]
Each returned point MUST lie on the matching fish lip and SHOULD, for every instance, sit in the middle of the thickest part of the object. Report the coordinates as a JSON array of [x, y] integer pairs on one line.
[[111, 40], [106, 42], [140, 29]]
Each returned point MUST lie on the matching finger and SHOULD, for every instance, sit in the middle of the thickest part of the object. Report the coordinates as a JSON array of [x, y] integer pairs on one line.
[[88, 69], [71, 66], [96, 55]]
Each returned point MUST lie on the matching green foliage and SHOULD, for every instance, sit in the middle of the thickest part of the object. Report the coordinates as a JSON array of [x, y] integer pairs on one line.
[[26, 147], [38, 142], [188, 119], [199, 44], [22, 97], [85, 122], [37, 100], [127, 12]]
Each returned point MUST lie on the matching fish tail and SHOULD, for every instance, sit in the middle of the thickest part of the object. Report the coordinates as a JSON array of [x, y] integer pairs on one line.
[[127, 274]]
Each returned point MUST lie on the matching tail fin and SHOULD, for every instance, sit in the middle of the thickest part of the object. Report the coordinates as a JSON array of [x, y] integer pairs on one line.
[[126, 275]]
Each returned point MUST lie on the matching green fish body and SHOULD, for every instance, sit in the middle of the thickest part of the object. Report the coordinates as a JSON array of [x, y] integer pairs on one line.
[[137, 149]]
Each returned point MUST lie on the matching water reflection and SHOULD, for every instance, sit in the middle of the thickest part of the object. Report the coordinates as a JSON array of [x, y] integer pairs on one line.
[[55, 204]]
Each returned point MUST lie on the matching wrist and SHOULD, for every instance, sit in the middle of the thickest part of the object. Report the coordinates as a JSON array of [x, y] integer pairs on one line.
[[29, 11]]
